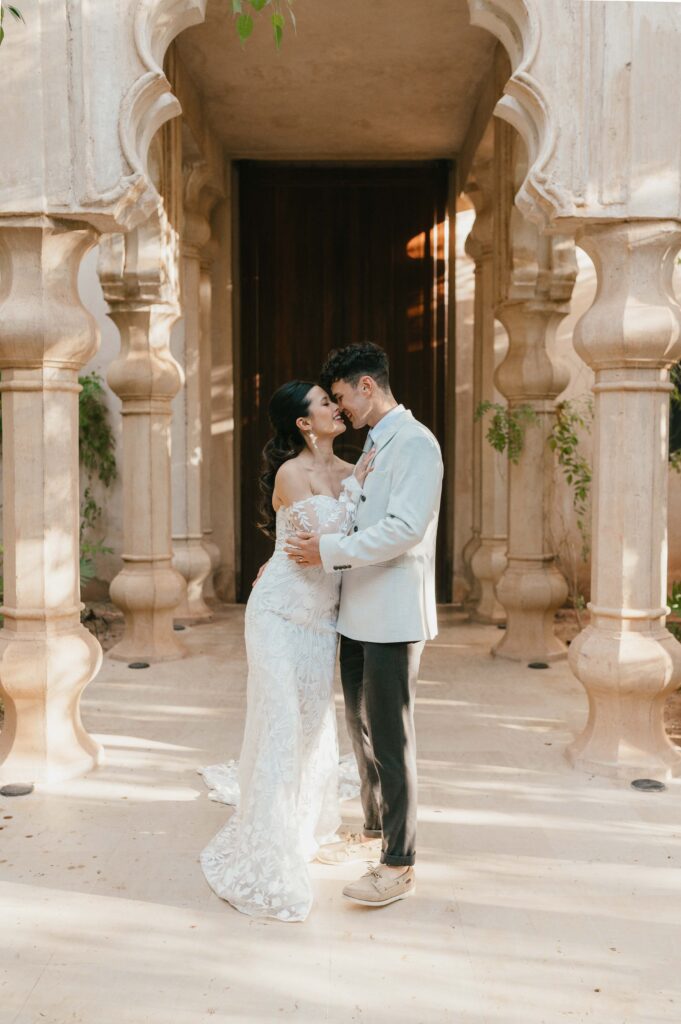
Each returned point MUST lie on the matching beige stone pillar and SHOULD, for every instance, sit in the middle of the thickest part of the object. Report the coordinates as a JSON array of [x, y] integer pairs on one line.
[[46, 656], [206, 370], [532, 587], [143, 305], [223, 455], [486, 550], [626, 659], [190, 556]]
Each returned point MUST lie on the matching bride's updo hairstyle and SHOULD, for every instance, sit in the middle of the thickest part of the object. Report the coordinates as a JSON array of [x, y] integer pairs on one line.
[[288, 403]]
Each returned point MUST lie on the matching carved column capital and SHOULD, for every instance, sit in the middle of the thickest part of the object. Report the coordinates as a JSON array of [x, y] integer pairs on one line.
[[636, 321]]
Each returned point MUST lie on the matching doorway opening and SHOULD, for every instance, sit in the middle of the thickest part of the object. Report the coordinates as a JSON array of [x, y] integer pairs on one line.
[[330, 255]]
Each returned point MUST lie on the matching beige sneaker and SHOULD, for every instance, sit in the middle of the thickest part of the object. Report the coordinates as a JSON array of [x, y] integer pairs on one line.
[[350, 848], [376, 889]]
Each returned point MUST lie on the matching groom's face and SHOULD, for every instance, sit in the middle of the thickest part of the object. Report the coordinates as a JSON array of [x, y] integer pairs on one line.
[[353, 400]]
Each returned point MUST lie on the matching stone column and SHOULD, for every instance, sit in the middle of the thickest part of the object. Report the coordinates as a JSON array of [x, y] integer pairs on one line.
[[46, 656], [487, 548], [145, 377], [190, 556], [626, 659], [206, 370], [223, 504], [532, 587]]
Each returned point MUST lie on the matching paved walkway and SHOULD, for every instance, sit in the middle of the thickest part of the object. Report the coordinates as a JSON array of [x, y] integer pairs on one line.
[[543, 895]]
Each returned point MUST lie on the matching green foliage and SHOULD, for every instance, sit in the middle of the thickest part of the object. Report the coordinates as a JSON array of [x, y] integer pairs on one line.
[[90, 515], [674, 602], [571, 419], [16, 14], [506, 431], [97, 448], [675, 411], [245, 21], [96, 440]]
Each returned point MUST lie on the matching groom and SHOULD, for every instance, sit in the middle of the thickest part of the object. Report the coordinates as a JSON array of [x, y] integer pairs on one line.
[[387, 612]]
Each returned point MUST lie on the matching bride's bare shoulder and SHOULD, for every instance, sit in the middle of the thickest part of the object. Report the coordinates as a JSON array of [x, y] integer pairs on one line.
[[291, 484]]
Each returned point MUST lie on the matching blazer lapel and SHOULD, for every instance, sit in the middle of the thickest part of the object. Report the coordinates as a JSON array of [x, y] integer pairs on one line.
[[396, 424]]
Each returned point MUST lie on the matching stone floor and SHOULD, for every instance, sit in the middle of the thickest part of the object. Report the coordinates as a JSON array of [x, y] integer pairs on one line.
[[544, 895]]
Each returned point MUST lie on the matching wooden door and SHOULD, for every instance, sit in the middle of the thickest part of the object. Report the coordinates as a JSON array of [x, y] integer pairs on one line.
[[330, 256]]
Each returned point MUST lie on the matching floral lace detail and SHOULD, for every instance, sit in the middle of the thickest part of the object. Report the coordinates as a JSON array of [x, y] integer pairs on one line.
[[288, 775]]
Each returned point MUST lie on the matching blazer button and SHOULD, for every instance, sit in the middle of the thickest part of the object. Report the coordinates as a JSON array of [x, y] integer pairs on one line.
[[356, 529], [362, 497]]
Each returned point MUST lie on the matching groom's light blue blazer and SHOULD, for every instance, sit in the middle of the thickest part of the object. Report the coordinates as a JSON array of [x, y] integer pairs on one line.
[[388, 557]]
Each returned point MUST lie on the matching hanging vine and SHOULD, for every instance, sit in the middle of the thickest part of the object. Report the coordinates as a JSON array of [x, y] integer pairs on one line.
[[97, 452], [572, 418], [506, 431], [245, 22]]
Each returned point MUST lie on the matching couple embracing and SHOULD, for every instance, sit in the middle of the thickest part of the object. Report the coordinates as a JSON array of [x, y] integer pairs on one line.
[[354, 555]]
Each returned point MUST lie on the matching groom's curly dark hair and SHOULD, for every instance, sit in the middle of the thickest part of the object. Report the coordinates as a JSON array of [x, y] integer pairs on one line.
[[355, 361]]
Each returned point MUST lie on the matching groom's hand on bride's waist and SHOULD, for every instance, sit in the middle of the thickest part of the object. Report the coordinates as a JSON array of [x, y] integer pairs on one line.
[[303, 548]]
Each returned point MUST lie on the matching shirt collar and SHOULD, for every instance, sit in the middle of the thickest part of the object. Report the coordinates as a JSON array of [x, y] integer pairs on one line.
[[377, 430]]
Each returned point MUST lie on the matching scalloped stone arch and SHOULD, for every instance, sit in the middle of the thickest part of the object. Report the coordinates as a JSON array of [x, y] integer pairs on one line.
[[525, 104], [150, 102]]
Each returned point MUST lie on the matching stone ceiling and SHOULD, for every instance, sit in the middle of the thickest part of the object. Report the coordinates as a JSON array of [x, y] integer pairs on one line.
[[386, 80]]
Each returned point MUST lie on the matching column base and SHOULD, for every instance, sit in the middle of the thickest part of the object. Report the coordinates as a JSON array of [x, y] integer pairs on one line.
[[148, 594], [531, 591], [191, 559], [473, 584], [488, 564], [628, 676], [42, 676], [215, 558]]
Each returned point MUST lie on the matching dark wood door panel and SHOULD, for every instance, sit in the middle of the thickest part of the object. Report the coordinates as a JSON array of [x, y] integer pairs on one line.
[[329, 256]]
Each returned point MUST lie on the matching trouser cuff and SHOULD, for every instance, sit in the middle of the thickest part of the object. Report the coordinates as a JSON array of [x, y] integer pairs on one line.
[[372, 833], [396, 862]]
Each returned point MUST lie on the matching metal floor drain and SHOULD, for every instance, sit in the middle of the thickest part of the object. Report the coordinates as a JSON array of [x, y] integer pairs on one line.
[[537, 664], [649, 785], [178, 629], [138, 664], [17, 789]]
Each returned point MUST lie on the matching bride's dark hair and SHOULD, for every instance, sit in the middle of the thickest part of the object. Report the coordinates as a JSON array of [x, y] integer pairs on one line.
[[288, 403]]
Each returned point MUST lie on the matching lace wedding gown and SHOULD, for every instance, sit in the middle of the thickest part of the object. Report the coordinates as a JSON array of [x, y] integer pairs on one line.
[[288, 769]]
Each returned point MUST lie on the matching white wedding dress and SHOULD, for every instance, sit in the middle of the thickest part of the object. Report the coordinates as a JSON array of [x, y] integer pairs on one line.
[[288, 772]]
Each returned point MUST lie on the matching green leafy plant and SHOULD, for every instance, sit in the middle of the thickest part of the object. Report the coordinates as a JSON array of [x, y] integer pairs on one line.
[[90, 514], [675, 414], [506, 431], [573, 417], [244, 11], [97, 447], [95, 437], [16, 14], [674, 602]]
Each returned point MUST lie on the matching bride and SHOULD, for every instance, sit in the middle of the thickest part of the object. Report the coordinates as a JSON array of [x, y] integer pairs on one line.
[[288, 770]]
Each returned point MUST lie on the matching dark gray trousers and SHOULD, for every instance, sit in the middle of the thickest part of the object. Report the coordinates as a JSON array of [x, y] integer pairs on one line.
[[379, 685]]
